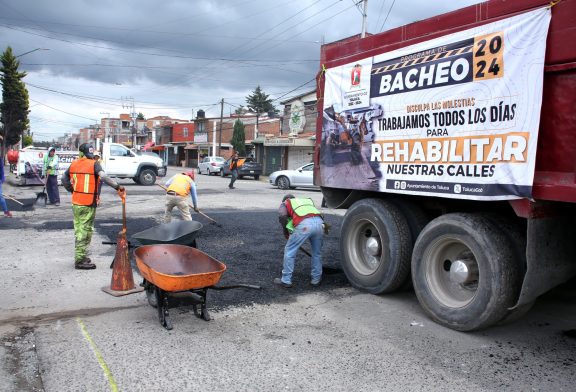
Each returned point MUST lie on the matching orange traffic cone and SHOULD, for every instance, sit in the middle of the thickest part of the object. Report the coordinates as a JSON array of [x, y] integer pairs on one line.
[[122, 279]]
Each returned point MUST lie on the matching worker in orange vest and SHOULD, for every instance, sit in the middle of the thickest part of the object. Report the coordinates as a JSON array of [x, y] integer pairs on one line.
[[178, 188], [82, 178]]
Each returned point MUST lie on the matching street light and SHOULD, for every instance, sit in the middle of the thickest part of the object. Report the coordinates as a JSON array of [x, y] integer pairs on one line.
[[30, 51]]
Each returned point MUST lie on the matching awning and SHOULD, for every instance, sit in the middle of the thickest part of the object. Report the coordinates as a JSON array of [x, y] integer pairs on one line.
[[148, 145], [158, 148], [191, 147]]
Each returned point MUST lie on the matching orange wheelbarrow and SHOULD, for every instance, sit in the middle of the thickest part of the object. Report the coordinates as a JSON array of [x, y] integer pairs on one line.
[[171, 270]]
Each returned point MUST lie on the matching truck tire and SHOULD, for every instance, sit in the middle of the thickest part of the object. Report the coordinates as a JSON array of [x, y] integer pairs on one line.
[[147, 177], [417, 219], [516, 233], [464, 271], [375, 244], [283, 182], [257, 177]]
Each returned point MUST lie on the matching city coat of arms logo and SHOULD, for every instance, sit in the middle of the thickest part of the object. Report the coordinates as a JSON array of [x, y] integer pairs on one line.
[[355, 75]]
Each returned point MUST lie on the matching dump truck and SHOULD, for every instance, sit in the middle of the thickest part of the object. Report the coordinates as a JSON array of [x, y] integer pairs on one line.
[[451, 142]]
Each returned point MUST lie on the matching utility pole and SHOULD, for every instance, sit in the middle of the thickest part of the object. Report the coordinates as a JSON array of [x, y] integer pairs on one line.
[[133, 115], [106, 126], [221, 119], [364, 17]]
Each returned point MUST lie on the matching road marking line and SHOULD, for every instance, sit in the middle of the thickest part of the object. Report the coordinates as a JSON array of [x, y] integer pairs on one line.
[[99, 357]]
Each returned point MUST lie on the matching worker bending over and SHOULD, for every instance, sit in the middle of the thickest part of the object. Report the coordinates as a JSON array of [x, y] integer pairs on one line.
[[178, 187], [301, 221]]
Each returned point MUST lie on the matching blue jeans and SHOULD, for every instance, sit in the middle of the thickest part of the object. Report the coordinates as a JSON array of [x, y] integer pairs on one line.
[[2, 201], [309, 228], [234, 173], [52, 188]]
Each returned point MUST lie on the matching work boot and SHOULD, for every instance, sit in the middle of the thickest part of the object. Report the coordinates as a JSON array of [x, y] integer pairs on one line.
[[7, 214], [85, 264], [279, 282], [315, 283]]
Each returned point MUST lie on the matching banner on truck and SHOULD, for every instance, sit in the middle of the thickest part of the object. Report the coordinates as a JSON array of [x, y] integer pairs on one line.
[[456, 116]]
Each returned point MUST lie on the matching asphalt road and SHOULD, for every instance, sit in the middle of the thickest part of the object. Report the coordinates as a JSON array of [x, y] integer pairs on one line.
[[60, 332]]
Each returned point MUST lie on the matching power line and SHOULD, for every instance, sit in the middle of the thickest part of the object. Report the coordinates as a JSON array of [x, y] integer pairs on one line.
[[388, 14]]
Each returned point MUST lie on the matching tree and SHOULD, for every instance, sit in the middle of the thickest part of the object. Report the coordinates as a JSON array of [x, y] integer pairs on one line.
[[238, 138], [14, 107], [27, 140], [242, 110], [259, 102], [140, 116]]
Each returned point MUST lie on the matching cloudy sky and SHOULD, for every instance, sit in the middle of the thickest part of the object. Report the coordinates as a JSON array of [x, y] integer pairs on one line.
[[174, 57]]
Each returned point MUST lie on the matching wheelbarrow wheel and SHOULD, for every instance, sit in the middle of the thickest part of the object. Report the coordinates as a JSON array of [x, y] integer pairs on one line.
[[151, 295]]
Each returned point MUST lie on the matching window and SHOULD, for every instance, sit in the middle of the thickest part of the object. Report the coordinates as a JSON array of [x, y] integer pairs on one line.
[[308, 167], [185, 131], [201, 126], [119, 151]]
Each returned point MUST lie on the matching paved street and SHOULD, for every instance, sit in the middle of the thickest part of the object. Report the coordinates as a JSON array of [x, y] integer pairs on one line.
[[60, 332]]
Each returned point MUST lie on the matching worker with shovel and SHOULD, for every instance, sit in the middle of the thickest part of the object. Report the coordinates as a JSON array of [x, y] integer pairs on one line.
[[50, 173], [178, 188], [301, 221], [81, 178]]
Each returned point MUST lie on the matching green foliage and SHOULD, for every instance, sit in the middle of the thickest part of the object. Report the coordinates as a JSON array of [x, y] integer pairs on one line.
[[140, 116], [241, 110], [239, 138], [27, 140], [14, 107], [259, 102]]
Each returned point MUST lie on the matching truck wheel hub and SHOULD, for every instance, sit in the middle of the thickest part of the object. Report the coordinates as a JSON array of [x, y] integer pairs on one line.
[[463, 271], [373, 246]]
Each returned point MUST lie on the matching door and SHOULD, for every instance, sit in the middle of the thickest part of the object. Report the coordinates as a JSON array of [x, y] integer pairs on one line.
[[121, 162], [273, 159], [304, 177]]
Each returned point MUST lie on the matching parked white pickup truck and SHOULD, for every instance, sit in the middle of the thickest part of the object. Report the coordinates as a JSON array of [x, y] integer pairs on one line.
[[117, 161]]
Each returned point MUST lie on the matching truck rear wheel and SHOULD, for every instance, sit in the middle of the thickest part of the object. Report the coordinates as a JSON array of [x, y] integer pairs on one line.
[[375, 244], [417, 219], [147, 177], [464, 271]]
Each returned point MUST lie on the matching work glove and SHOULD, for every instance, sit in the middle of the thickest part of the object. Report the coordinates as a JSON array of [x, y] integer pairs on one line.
[[196, 209]]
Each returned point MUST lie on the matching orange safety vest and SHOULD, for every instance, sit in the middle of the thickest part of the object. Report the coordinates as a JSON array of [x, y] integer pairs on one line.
[[84, 181], [181, 185]]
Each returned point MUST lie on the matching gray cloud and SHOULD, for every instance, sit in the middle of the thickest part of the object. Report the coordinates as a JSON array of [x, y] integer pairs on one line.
[[179, 54]]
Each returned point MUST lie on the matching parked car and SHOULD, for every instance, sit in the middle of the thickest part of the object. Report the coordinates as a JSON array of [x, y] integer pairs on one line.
[[247, 167], [211, 165], [301, 177]]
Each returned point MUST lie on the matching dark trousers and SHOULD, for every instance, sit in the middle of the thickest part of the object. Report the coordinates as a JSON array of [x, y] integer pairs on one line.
[[52, 188], [234, 177]]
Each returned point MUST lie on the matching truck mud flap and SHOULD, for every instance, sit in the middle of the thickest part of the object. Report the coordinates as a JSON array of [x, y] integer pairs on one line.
[[550, 256], [341, 198]]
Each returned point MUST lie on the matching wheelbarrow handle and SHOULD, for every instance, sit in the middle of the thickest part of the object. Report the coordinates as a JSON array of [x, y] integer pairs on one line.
[[115, 243], [237, 286]]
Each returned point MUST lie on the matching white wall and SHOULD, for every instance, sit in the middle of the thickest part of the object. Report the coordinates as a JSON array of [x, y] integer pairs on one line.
[[298, 156]]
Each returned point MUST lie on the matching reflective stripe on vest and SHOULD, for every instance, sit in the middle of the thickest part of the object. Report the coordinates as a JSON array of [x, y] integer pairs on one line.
[[84, 180], [301, 207], [181, 185]]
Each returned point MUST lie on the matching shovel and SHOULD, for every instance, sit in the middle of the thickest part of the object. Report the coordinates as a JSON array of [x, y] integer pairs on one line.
[[42, 197]]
